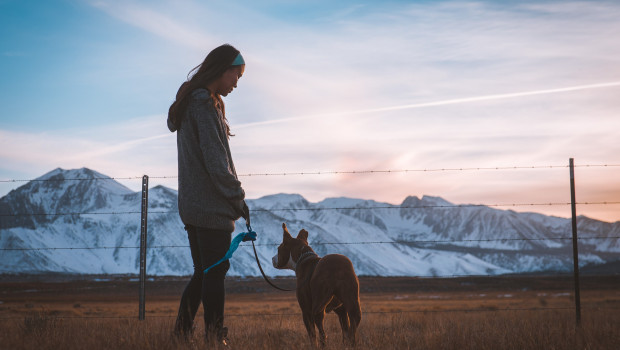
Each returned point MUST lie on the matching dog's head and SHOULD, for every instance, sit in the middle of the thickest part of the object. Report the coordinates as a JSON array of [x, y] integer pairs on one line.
[[290, 249]]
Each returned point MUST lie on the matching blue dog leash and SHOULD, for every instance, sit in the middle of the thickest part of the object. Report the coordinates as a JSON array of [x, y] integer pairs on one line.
[[263, 272], [234, 244]]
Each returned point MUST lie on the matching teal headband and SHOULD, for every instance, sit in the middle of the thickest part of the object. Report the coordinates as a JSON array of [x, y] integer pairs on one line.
[[238, 60]]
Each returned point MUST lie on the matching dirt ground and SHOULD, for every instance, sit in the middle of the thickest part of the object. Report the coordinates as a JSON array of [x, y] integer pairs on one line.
[[114, 296], [481, 313]]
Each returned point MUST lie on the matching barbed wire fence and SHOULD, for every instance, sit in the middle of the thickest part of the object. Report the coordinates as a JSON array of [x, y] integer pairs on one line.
[[144, 212], [336, 172]]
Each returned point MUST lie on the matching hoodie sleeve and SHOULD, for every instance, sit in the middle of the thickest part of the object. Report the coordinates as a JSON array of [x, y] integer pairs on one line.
[[171, 125], [216, 152]]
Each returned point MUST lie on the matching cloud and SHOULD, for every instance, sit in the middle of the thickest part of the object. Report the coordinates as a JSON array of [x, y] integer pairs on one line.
[[381, 86], [156, 22], [433, 104], [137, 146]]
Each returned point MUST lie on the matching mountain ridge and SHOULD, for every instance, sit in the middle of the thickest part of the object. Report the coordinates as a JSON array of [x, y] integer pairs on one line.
[[426, 236]]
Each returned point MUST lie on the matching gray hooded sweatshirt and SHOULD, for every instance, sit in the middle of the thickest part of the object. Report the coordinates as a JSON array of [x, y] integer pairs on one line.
[[210, 195]]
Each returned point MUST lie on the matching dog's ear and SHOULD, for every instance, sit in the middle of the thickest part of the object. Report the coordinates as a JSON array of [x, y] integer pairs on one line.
[[303, 235], [286, 236]]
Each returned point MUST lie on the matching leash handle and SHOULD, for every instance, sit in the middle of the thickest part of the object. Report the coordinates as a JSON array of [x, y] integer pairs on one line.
[[250, 235]]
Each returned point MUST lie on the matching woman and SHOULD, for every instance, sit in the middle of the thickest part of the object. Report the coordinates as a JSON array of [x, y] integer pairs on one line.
[[210, 195]]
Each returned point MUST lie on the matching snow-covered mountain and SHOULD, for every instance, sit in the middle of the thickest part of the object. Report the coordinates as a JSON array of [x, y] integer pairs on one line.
[[98, 232]]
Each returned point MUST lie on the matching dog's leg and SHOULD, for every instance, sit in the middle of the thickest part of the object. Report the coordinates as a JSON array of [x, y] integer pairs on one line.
[[308, 322], [318, 322], [344, 322], [319, 303], [354, 312]]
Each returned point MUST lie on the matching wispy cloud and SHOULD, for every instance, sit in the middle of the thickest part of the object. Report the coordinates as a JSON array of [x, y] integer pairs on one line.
[[122, 148], [435, 103], [145, 17], [380, 86]]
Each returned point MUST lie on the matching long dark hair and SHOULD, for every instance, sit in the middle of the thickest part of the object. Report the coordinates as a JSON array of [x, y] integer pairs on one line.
[[214, 65]]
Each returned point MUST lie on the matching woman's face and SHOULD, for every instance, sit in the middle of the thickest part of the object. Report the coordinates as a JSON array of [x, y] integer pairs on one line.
[[228, 81]]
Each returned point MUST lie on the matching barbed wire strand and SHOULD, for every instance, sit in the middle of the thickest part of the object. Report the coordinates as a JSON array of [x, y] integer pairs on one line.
[[335, 172], [330, 208], [425, 170]]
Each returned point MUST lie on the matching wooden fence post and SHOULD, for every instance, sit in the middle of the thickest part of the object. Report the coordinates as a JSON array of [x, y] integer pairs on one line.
[[143, 231], [575, 250]]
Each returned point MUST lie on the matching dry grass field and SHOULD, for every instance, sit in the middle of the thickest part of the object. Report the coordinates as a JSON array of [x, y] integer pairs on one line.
[[398, 313]]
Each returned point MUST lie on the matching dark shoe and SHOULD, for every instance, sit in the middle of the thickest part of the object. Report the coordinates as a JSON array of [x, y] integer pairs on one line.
[[222, 336], [218, 337]]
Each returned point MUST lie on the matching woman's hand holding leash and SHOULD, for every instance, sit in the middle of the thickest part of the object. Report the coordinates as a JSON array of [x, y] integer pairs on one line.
[[250, 235]]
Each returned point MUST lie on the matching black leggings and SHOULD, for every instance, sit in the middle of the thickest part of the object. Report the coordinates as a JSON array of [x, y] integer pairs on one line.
[[207, 247]]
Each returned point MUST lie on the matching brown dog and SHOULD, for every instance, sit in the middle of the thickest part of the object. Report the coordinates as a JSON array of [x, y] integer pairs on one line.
[[323, 285]]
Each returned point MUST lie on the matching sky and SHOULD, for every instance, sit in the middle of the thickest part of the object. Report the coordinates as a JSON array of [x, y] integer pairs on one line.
[[336, 89]]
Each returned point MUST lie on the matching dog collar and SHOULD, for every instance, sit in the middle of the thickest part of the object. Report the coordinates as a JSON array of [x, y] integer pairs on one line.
[[303, 257]]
